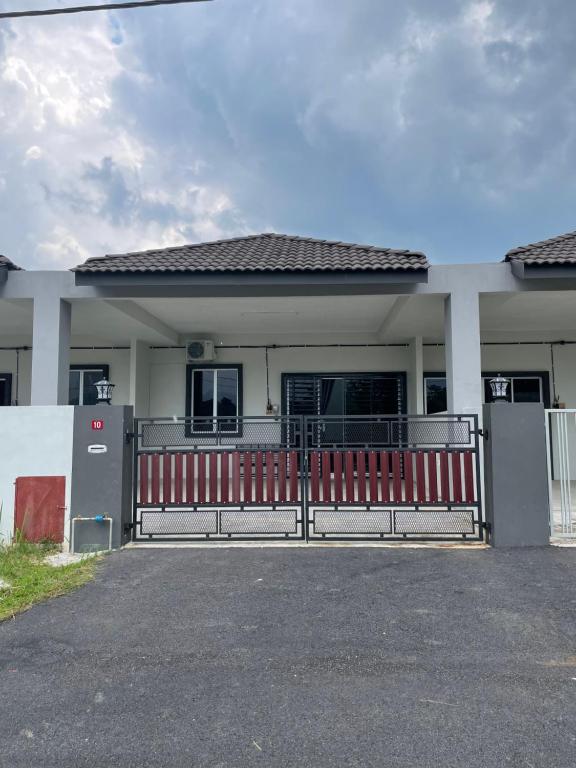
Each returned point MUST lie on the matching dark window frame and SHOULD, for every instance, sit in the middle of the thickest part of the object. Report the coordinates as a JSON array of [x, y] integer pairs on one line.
[[190, 368], [104, 367], [544, 376], [8, 393], [400, 375]]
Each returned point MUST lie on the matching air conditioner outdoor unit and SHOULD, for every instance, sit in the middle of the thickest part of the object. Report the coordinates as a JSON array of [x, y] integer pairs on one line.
[[199, 351]]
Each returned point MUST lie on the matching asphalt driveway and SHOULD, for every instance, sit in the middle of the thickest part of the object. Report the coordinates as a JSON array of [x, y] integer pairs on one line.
[[279, 657]]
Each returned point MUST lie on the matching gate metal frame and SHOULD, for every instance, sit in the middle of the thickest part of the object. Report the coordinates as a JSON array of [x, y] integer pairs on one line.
[[405, 443]]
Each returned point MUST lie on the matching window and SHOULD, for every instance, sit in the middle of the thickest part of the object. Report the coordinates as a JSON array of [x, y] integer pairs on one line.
[[524, 388], [345, 394], [82, 379], [5, 388], [214, 392], [436, 394]]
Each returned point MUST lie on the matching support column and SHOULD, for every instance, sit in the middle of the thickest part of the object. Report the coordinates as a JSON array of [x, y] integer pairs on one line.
[[140, 378], [416, 377], [50, 350], [463, 356]]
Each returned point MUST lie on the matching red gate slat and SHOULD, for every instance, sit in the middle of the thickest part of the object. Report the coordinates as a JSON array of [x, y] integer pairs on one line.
[[155, 478], [326, 477], [201, 478], [432, 476], [361, 472], [385, 475], [178, 475], [259, 495], [373, 473], [236, 496], [282, 476], [396, 476], [167, 478], [314, 477], [213, 483], [270, 479], [444, 478], [349, 473], [420, 478], [408, 476], [338, 496], [225, 478], [293, 460], [247, 478], [144, 478], [469, 477], [190, 484], [457, 476]]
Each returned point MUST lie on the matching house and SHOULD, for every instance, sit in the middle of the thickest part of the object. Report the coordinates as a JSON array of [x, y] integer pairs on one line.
[[285, 326]]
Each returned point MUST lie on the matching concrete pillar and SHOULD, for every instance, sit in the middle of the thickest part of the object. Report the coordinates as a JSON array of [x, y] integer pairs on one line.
[[140, 378], [515, 465], [463, 356], [416, 377], [50, 350]]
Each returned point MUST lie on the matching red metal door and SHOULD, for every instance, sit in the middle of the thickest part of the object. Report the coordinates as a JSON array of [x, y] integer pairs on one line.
[[39, 508]]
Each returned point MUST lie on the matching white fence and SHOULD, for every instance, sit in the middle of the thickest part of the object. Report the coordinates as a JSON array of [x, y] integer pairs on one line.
[[561, 450]]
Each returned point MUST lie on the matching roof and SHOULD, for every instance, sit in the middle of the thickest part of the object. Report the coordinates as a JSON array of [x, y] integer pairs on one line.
[[556, 250], [261, 253], [5, 262]]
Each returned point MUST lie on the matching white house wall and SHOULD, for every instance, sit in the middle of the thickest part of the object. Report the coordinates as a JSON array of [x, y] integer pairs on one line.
[[34, 442], [168, 368], [168, 371]]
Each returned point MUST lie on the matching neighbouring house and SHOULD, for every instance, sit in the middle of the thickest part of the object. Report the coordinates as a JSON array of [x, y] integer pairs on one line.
[[291, 326]]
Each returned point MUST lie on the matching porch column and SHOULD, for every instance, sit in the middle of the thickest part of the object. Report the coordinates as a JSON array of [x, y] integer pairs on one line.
[[416, 377], [463, 358], [140, 377], [50, 349]]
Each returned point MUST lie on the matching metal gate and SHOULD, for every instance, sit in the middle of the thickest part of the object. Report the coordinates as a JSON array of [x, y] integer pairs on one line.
[[561, 452], [394, 477], [219, 478], [294, 477]]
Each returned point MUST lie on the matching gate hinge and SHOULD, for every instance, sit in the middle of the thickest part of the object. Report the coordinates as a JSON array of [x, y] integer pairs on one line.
[[482, 432], [129, 437]]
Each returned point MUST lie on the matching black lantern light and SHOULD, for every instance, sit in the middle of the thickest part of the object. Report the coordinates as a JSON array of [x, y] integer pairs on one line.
[[104, 391], [499, 387]]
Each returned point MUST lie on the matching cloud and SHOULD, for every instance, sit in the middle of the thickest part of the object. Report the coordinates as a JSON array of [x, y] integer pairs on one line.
[[446, 126]]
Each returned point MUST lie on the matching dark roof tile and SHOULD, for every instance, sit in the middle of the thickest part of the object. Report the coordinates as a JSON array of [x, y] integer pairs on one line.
[[5, 262], [556, 250], [261, 253]]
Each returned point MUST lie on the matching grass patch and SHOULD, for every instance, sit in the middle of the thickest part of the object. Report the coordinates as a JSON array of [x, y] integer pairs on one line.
[[32, 581]]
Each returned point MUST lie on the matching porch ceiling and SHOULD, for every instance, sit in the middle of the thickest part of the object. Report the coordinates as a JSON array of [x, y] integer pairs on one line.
[[299, 315], [542, 312]]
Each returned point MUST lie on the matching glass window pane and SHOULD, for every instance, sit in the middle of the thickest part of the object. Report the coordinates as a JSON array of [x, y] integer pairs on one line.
[[526, 390], [227, 385], [227, 393], [436, 395], [89, 393], [203, 399], [74, 388]]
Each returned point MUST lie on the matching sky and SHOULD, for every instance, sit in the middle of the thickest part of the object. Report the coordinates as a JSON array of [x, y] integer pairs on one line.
[[447, 126]]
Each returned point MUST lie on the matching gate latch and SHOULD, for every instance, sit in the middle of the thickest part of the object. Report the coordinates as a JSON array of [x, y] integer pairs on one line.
[[482, 432]]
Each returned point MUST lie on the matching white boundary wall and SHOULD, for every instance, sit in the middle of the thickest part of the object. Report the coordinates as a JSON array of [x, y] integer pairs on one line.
[[35, 441]]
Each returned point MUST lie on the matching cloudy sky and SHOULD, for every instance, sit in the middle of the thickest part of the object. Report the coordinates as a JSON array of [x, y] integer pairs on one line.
[[447, 126]]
